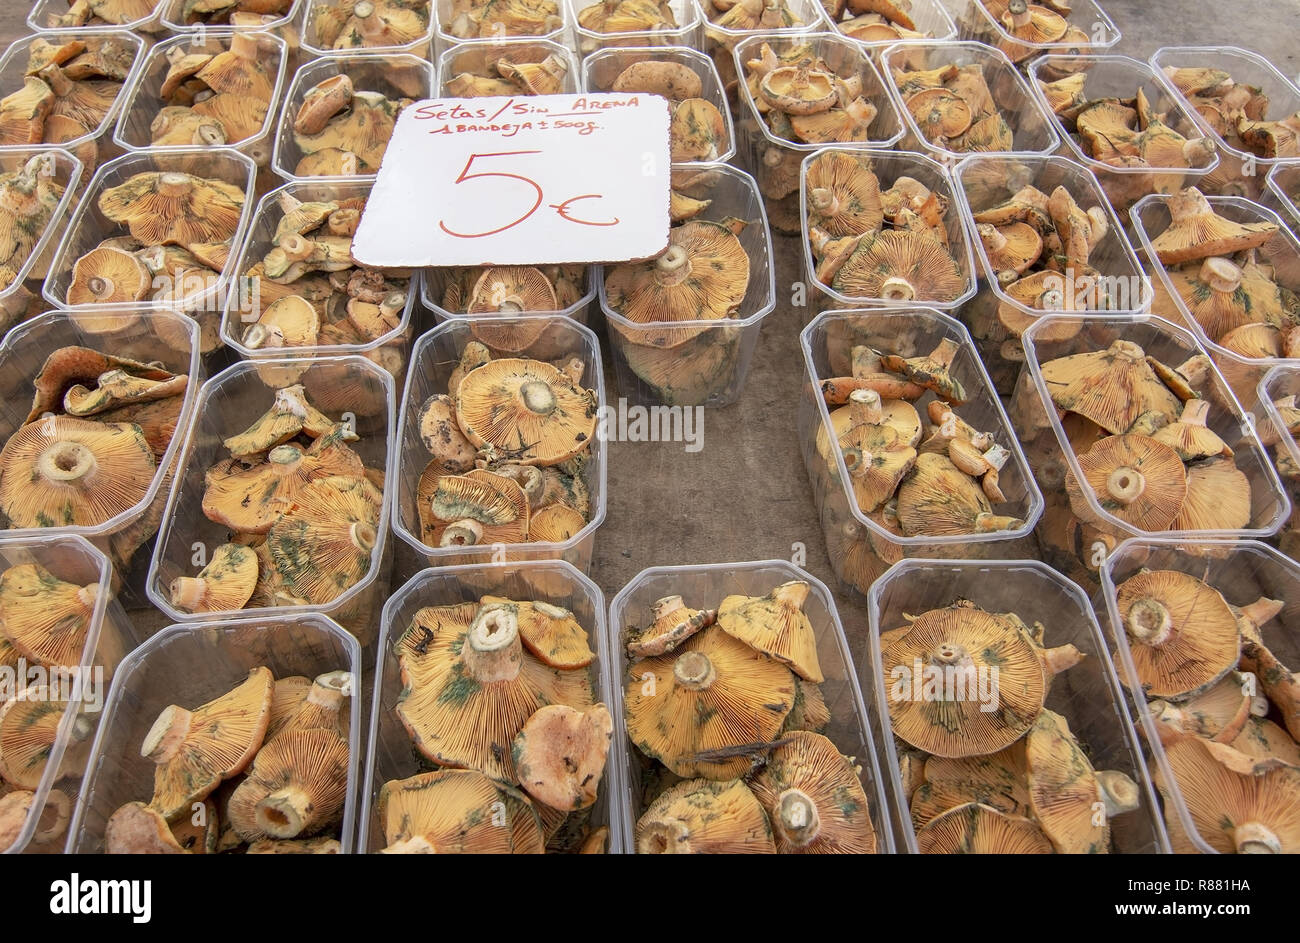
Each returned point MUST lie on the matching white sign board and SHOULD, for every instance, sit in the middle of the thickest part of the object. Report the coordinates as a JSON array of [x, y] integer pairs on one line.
[[521, 181]]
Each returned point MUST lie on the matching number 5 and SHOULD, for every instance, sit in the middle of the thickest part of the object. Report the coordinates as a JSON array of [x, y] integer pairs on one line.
[[466, 175]]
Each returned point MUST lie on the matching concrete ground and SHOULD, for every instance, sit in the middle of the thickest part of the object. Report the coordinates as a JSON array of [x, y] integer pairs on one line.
[[745, 494]]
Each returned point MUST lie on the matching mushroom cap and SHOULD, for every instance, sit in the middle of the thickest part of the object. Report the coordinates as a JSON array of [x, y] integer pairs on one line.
[[139, 829], [775, 625], [1182, 634], [814, 798], [1219, 713], [289, 414], [526, 411], [674, 622], [799, 89], [108, 276], [552, 634], [703, 817], [363, 130], [703, 275], [64, 471], [173, 208], [1196, 231], [322, 544], [713, 701], [1112, 387], [843, 194], [226, 583], [445, 808], [1266, 743], [674, 81], [1063, 788], [1218, 497], [468, 686], [1013, 247], [1136, 479], [555, 524], [560, 755], [288, 695], [240, 116], [996, 780], [195, 750], [470, 510], [30, 723], [939, 113], [44, 618], [295, 788], [1190, 437], [1232, 812], [957, 648], [975, 829], [938, 499], [1222, 296], [697, 130], [901, 265]]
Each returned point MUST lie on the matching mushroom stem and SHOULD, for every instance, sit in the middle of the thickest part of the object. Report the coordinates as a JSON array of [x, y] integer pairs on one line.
[[466, 533], [285, 812], [824, 200], [188, 592], [797, 819], [673, 266], [1188, 203], [167, 735], [694, 671], [1118, 792], [1061, 658], [175, 184], [66, 462], [897, 289], [363, 535], [246, 46], [492, 650], [538, 397], [792, 594], [1221, 275], [101, 286], [415, 845], [1252, 838], [670, 837], [866, 407], [1149, 622], [1125, 484], [1262, 610], [665, 606], [992, 237]]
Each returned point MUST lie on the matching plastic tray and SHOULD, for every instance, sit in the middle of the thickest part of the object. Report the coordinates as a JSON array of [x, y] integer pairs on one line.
[[43, 12], [1121, 77], [1242, 172], [144, 98], [929, 16], [888, 167], [1033, 132], [227, 404], [24, 350], [431, 281], [442, 25], [601, 68], [1284, 190], [66, 170], [391, 351], [984, 182], [1150, 217], [1048, 450], [734, 193], [475, 56], [850, 727], [1283, 380], [311, 44], [826, 344], [687, 33], [173, 17], [435, 356], [1242, 571], [396, 76], [773, 160], [1088, 695], [392, 754], [189, 665], [88, 226], [978, 24], [72, 559]]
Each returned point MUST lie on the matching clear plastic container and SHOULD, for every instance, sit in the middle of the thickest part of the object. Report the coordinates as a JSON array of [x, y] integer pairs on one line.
[[1283, 380], [347, 389], [775, 161], [859, 548], [1122, 77], [1242, 571], [1123, 287], [1033, 131], [392, 755], [479, 58], [929, 16], [1150, 217], [391, 351], [313, 45], [88, 226], [144, 97], [705, 586], [173, 17], [601, 68], [720, 373], [443, 26], [189, 665], [719, 41], [109, 635], [687, 33], [67, 171], [1079, 548], [1284, 191], [1087, 695], [888, 167], [138, 334], [436, 355], [45, 14], [1240, 172], [97, 141], [434, 280], [977, 23], [395, 76]]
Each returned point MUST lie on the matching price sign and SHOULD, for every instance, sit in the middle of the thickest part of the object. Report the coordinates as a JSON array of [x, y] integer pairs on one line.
[[521, 181]]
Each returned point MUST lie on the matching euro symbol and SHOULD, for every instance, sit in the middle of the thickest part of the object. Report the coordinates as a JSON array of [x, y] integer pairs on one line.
[[563, 210]]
